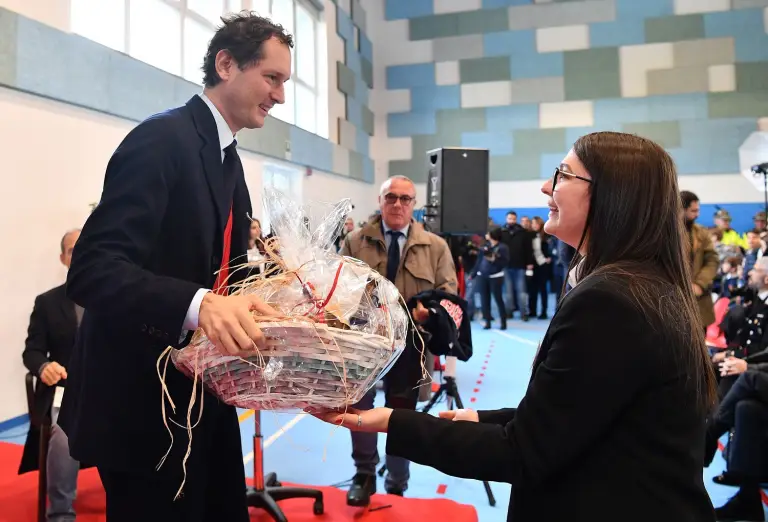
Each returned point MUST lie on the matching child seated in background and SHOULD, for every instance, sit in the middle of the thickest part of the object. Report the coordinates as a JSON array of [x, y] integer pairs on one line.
[[731, 275]]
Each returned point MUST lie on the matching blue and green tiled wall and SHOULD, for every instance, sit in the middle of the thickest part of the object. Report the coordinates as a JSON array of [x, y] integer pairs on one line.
[[45, 61], [526, 79], [354, 76]]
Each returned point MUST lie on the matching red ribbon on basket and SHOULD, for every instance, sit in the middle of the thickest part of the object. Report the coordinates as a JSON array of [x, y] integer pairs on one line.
[[309, 290]]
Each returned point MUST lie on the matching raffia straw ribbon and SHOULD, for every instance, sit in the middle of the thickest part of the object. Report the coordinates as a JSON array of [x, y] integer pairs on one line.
[[197, 375]]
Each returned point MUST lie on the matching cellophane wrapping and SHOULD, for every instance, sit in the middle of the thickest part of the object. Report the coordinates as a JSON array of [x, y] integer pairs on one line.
[[341, 327]]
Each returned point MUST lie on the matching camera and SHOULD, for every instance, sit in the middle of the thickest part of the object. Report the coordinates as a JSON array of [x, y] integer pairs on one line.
[[762, 168]]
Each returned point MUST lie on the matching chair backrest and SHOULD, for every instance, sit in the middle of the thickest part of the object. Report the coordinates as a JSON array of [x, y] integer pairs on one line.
[[715, 336], [29, 382]]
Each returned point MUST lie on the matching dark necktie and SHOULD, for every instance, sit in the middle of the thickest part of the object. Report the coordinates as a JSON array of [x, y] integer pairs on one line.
[[231, 168], [393, 254]]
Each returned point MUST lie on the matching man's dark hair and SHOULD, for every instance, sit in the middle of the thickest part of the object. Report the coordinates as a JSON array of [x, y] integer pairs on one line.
[[512, 213], [243, 36], [495, 233], [687, 198]]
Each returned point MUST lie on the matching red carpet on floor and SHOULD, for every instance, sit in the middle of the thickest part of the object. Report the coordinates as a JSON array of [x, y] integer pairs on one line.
[[18, 501]]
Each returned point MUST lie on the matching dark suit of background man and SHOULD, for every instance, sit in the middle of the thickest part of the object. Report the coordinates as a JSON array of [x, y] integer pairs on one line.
[[50, 337], [174, 209]]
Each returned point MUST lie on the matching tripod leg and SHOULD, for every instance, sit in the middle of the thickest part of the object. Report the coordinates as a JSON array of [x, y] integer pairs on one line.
[[491, 498], [436, 397], [453, 391]]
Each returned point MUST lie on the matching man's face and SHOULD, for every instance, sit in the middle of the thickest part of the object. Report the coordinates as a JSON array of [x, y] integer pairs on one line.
[[754, 240], [394, 212], [757, 278], [68, 245], [691, 214], [349, 224], [249, 94], [526, 222], [511, 219]]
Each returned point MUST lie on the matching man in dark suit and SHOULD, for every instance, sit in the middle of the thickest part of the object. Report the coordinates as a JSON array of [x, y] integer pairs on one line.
[[174, 210], [50, 337]]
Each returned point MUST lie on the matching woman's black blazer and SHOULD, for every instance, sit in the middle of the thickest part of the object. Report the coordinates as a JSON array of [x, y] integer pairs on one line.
[[608, 428]]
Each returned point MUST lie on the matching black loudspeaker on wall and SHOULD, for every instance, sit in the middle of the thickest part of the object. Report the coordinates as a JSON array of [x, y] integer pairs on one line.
[[457, 191]]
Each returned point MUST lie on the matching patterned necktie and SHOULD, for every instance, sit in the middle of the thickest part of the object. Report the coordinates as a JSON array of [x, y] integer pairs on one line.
[[393, 254]]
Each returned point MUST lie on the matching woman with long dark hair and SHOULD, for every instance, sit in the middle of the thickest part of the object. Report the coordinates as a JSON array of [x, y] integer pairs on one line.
[[612, 424]]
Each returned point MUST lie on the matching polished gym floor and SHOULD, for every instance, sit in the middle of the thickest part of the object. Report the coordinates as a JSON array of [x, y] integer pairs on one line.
[[301, 449]]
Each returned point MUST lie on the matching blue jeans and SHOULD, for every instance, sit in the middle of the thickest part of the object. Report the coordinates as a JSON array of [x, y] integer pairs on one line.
[[62, 475], [470, 295], [516, 290]]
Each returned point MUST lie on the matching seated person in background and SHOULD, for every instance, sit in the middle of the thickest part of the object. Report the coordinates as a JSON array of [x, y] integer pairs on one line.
[[755, 250], [612, 424], [731, 275], [51, 336], [744, 409], [746, 324]]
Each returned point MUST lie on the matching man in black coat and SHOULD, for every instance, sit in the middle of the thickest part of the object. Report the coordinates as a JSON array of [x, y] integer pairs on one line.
[[174, 210], [50, 337]]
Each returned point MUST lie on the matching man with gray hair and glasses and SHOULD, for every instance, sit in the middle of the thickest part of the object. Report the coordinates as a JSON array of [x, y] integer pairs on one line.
[[415, 260]]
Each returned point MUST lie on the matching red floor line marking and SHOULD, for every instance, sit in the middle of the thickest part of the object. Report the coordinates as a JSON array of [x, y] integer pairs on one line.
[[476, 390], [479, 382], [441, 489], [473, 399], [482, 375]]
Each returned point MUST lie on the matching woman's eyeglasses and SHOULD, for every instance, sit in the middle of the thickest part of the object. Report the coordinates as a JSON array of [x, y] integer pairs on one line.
[[560, 174]]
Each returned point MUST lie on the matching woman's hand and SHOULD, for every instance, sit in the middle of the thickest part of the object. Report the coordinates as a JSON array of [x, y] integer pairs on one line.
[[460, 415], [374, 421], [733, 366]]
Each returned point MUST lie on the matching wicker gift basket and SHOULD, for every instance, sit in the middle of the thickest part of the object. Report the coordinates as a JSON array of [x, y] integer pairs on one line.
[[341, 326]]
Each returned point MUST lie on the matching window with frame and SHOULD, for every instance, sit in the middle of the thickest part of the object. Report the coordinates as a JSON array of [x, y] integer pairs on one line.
[[173, 35]]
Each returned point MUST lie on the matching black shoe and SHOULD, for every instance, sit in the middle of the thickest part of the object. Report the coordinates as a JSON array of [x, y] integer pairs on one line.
[[487, 326], [746, 505], [730, 478], [503, 325], [395, 490], [543, 316], [363, 486]]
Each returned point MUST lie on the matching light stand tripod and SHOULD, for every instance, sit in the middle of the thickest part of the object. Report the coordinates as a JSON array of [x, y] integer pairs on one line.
[[762, 170], [266, 490], [449, 388]]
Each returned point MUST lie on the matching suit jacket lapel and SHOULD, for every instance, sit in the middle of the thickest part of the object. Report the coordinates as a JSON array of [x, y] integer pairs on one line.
[[210, 156], [67, 308]]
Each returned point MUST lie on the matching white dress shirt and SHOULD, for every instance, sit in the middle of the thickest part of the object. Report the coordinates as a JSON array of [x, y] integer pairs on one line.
[[400, 240], [225, 140]]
